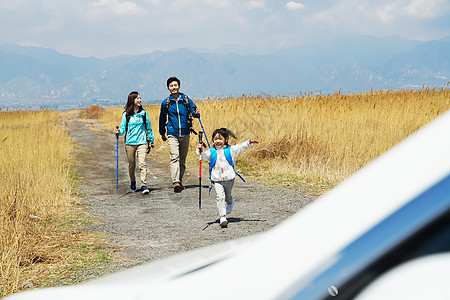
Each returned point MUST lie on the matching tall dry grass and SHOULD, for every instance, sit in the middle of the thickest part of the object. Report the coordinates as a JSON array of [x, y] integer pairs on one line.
[[313, 138], [35, 188], [324, 137]]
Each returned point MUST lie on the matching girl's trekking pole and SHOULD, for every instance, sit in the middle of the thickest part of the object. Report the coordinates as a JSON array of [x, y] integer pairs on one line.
[[200, 133], [117, 161], [204, 131]]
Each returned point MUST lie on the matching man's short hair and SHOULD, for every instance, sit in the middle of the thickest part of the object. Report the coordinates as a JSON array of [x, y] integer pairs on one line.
[[173, 79]]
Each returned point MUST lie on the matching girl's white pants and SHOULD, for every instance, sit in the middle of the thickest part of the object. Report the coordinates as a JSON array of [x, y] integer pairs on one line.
[[223, 195]]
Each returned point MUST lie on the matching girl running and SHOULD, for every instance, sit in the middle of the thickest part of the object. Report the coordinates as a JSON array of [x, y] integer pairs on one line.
[[222, 158]]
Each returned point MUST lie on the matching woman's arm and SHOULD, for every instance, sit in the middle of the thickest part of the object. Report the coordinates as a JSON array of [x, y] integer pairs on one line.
[[122, 125], [149, 129]]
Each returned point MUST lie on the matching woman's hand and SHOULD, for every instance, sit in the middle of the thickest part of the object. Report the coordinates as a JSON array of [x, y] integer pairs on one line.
[[253, 142]]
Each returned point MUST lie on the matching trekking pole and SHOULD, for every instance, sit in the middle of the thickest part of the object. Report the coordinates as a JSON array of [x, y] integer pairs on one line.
[[200, 133], [203, 131], [210, 147], [117, 161]]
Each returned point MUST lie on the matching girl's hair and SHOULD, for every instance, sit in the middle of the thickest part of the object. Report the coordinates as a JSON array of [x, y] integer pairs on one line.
[[226, 133], [130, 103]]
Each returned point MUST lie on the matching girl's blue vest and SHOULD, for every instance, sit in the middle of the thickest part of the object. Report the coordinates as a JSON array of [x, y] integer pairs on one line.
[[212, 162], [227, 152]]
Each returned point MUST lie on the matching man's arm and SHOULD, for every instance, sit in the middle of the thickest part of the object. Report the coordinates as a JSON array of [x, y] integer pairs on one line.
[[194, 109], [162, 119]]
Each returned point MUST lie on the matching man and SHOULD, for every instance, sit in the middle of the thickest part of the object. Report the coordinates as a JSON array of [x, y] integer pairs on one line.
[[176, 114]]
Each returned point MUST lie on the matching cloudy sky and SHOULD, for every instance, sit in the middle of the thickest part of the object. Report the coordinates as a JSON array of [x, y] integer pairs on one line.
[[104, 28]]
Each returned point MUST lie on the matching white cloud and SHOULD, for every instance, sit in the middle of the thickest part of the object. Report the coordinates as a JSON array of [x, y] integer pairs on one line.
[[126, 8], [422, 8], [153, 2], [255, 4], [218, 3], [291, 5], [386, 13]]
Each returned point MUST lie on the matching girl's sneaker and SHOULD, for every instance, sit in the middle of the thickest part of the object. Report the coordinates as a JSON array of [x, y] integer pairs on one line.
[[144, 190], [230, 206], [133, 186], [223, 222]]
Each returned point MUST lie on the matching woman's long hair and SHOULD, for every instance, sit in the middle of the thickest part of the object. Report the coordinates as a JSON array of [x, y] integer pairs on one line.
[[129, 107], [225, 132]]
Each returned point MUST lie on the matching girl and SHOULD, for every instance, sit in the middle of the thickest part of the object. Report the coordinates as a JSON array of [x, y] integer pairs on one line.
[[138, 134], [222, 158]]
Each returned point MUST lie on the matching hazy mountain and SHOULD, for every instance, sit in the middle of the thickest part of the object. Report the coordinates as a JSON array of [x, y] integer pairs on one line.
[[427, 63], [38, 76]]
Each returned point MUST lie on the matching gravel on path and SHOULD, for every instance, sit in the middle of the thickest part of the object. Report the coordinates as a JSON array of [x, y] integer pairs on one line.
[[144, 228]]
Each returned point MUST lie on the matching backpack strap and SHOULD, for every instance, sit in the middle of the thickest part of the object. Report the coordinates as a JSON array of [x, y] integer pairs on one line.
[[190, 118], [212, 162], [186, 102], [227, 152], [144, 118], [166, 108], [127, 118]]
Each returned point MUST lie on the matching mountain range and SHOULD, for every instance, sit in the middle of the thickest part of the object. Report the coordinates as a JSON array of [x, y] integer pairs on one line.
[[40, 77]]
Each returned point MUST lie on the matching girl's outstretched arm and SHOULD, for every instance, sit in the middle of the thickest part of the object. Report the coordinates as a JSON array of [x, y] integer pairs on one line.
[[241, 147]]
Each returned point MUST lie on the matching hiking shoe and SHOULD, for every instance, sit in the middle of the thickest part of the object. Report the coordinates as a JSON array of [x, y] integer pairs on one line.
[[133, 186], [230, 206], [177, 187], [144, 190], [223, 222]]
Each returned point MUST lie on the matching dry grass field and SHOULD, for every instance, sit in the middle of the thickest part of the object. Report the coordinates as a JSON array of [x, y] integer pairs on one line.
[[315, 139], [306, 141], [37, 203]]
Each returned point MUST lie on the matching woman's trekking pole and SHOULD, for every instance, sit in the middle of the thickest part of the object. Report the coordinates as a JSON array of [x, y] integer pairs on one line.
[[200, 133], [204, 131], [117, 161]]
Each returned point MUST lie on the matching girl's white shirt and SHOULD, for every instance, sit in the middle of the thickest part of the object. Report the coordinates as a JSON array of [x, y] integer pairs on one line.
[[222, 170]]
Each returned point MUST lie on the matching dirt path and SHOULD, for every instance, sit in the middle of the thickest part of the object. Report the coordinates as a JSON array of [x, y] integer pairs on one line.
[[144, 228]]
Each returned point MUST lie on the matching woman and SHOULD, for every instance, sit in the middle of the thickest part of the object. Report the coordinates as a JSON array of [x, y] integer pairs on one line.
[[138, 134]]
